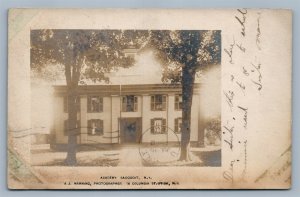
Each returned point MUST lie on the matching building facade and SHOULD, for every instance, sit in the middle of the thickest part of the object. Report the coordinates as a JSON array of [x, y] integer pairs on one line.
[[126, 114]]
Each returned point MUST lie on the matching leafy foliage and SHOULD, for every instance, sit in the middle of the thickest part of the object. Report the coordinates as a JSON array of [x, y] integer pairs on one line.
[[89, 54], [214, 124], [192, 48], [84, 54], [213, 130]]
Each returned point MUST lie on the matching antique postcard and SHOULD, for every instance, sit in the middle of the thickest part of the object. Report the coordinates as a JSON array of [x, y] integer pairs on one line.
[[149, 99]]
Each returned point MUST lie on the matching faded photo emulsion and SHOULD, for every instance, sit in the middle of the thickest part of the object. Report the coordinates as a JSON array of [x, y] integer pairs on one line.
[[126, 97]]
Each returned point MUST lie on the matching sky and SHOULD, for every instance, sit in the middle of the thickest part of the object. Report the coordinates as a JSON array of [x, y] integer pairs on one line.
[[210, 93], [146, 70]]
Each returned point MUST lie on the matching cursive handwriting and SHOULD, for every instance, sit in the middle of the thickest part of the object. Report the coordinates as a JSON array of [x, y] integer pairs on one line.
[[258, 33], [242, 20], [245, 159], [232, 78], [247, 76], [229, 51], [229, 97], [240, 46], [245, 118], [242, 86], [259, 81], [228, 175], [230, 141], [245, 71]]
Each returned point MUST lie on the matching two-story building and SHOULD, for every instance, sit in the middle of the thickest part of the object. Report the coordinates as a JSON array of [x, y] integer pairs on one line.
[[126, 114]]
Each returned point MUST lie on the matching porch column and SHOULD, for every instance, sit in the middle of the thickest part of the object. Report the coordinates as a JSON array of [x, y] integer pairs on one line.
[[115, 115], [146, 103]]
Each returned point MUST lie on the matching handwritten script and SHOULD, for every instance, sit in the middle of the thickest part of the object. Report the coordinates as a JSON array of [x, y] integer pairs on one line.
[[245, 80]]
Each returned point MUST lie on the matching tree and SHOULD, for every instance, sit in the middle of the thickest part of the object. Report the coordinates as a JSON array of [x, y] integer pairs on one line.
[[183, 53], [83, 55]]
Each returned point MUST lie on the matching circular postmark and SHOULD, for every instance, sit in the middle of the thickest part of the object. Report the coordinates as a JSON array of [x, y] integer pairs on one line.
[[159, 146]]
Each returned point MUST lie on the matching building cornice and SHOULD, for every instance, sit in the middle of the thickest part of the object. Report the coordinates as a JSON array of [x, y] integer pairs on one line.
[[140, 89]]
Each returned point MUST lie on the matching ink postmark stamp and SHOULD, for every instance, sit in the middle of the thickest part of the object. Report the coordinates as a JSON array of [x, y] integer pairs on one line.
[[162, 148]]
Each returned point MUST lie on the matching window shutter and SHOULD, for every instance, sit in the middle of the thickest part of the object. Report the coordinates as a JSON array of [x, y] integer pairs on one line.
[[124, 104], [135, 105], [100, 104], [164, 103], [164, 126], [89, 104], [163, 108], [89, 127], [179, 124], [101, 126], [152, 99], [152, 126], [176, 125], [152, 103], [180, 102]]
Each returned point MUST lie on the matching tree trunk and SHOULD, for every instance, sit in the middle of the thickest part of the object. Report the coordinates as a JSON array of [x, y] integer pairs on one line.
[[188, 77], [73, 128]]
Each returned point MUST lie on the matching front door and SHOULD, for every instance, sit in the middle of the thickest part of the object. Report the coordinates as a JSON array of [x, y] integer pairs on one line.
[[130, 130]]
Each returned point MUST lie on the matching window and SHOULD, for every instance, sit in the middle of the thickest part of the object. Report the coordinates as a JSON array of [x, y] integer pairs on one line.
[[178, 102], [178, 125], [158, 126], [95, 104], [66, 104], [158, 102], [95, 127], [129, 103], [66, 127]]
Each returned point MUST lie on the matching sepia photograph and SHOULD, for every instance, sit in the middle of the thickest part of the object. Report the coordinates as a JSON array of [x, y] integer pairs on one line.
[[125, 97]]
